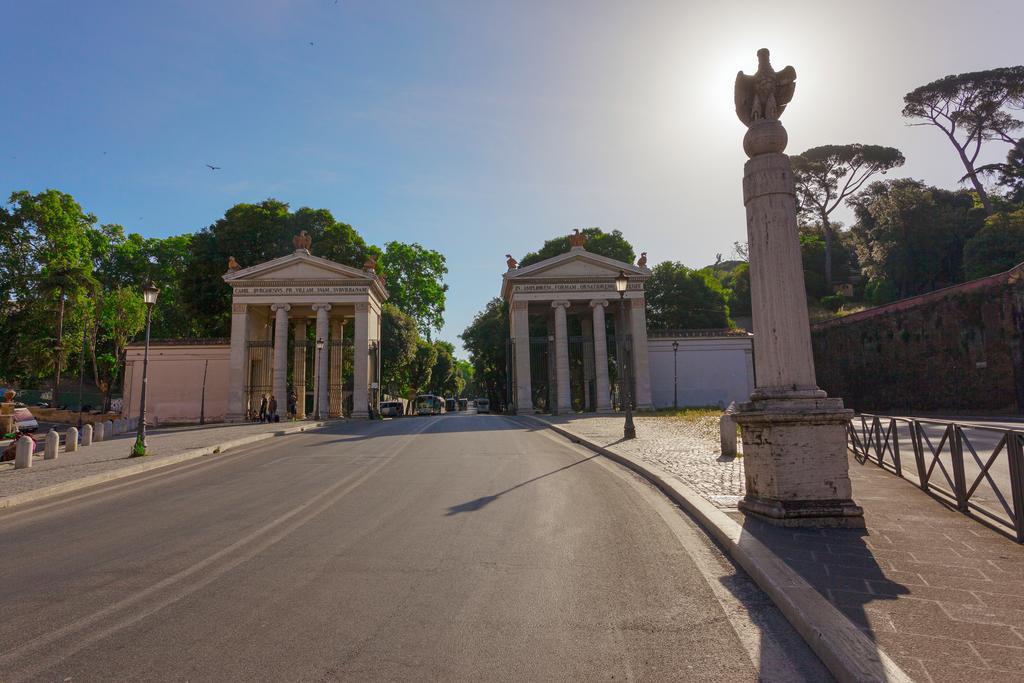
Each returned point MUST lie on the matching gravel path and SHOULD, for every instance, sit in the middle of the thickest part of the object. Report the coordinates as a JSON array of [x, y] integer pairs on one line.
[[687, 447]]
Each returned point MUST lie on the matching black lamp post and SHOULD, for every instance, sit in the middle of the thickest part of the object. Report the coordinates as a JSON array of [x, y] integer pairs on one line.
[[628, 430], [316, 380], [149, 295], [675, 375]]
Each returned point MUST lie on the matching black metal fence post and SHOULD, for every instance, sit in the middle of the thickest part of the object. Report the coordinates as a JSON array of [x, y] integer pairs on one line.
[[1015, 451]]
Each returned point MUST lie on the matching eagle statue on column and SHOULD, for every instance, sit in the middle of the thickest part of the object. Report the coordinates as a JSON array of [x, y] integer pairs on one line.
[[765, 94]]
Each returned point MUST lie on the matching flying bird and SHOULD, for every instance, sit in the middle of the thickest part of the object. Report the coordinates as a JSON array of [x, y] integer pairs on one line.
[[213, 168]]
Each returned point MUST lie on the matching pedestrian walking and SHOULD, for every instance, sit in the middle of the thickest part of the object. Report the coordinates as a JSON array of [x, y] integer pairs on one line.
[[272, 410], [263, 408], [293, 404]]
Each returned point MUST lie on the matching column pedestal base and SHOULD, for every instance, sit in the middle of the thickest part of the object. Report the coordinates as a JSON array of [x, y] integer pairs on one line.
[[794, 454]]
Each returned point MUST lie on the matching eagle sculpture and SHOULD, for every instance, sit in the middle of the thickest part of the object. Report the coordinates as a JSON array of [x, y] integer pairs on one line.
[[765, 94], [302, 241], [511, 262]]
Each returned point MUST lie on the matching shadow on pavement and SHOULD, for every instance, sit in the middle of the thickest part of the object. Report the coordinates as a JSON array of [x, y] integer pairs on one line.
[[838, 563], [484, 501]]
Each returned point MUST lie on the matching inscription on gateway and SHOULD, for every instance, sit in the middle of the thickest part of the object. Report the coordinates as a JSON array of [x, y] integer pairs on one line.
[[573, 287], [262, 291]]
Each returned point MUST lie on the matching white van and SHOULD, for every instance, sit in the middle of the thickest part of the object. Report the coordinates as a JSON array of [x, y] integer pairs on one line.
[[483, 405]]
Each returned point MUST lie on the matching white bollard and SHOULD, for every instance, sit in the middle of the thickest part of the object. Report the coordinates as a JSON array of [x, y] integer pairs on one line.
[[87, 435], [99, 431], [727, 431], [115, 427], [23, 453], [51, 445], [71, 440]]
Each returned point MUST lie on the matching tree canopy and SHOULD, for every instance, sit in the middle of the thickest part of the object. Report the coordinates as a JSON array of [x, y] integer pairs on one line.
[[414, 277], [971, 109], [611, 244], [829, 175], [997, 247], [486, 340], [680, 298]]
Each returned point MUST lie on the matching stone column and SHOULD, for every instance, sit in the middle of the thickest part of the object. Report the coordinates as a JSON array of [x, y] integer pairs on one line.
[[641, 360], [521, 333], [794, 437], [299, 369], [564, 397], [281, 355], [604, 402], [361, 365], [335, 358], [237, 363], [587, 328], [321, 362]]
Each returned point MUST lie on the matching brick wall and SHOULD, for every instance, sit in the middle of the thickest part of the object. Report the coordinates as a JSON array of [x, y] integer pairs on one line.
[[957, 349]]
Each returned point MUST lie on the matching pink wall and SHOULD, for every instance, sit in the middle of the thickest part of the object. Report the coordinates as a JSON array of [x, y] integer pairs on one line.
[[175, 392]]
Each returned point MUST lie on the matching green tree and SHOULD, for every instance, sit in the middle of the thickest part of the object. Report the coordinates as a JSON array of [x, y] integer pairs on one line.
[[737, 283], [681, 298], [911, 235], [830, 175], [997, 247], [611, 244], [122, 315], [486, 341], [420, 367], [57, 230], [1009, 174], [442, 375], [398, 349], [971, 110], [414, 276], [255, 233]]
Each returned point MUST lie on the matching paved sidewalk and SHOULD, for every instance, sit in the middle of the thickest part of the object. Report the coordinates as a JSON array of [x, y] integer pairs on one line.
[[111, 455], [938, 592]]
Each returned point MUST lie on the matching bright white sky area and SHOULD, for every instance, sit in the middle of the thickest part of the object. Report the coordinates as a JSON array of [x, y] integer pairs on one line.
[[474, 128]]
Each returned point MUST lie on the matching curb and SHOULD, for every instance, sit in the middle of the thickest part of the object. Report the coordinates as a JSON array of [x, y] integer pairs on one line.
[[145, 466], [842, 647]]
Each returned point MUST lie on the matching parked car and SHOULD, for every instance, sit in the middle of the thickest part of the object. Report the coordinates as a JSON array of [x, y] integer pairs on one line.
[[26, 422], [392, 409], [483, 405]]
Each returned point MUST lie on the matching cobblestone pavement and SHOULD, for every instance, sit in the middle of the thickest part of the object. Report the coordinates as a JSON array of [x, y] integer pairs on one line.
[[688, 448], [940, 593], [112, 454]]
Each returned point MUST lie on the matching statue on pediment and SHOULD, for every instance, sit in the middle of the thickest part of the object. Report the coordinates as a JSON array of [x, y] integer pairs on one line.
[[302, 241], [511, 262], [578, 239]]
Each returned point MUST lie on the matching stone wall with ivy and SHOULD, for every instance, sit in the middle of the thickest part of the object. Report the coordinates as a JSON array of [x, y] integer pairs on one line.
[[954, 350]]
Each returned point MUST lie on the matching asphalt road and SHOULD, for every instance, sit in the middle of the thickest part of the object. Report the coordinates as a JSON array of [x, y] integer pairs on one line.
[[440, 548]]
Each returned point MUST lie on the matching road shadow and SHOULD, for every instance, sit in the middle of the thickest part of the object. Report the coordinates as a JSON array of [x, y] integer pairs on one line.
[[484, 501]]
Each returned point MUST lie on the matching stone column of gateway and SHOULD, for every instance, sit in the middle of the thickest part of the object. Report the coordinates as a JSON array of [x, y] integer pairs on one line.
[[361, 363], [523, 390], [641, 360], [794, 437], [322, 332], [336, 359], [604, 402], [299, 369], [237, 365], [281, 356], [564, 396]]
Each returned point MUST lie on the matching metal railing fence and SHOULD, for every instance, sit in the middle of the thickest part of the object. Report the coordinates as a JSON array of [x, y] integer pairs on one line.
[[977, 469]]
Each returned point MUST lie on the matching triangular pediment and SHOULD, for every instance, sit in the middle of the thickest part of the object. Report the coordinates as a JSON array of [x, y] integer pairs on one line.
[[297, 266], [577, 263]]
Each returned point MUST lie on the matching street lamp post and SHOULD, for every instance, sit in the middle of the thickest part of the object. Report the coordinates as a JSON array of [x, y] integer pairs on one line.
[[149, 295], [316, 380], [81, 373], [628, 430], [675, 375]]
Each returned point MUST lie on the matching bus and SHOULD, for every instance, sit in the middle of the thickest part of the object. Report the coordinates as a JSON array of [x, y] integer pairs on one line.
[[428, 404]]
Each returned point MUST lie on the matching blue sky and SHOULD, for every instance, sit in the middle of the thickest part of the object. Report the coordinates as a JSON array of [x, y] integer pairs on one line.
[[474, 128]]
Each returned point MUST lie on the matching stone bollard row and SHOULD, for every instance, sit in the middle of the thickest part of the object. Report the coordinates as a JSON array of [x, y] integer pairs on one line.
[[23, 453], [71, 440], [99, 431], [87, 435], [51, 445]]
